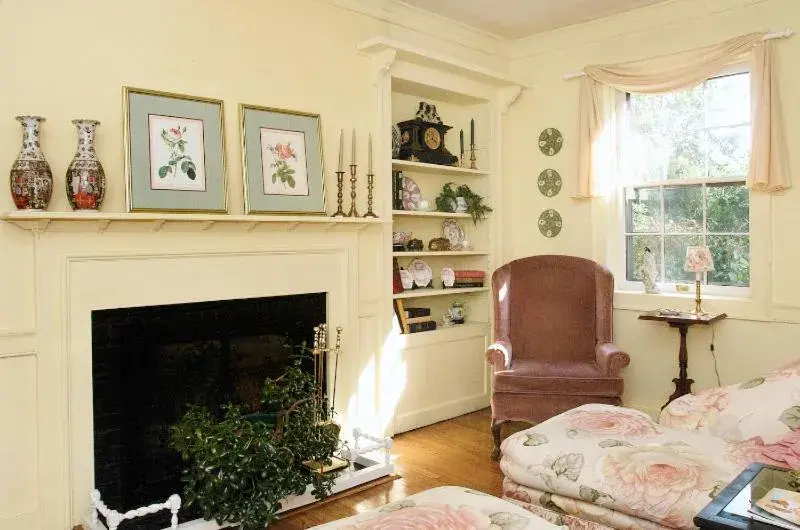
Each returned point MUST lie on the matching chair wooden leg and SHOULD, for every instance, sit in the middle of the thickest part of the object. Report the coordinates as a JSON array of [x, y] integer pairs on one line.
[[496, 435]]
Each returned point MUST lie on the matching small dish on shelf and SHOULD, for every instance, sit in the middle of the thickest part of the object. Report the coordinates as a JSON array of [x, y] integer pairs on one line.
[[411, 194], [453, 232], [421, 272]]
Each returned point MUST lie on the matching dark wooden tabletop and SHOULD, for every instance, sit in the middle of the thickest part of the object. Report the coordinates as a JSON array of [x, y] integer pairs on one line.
[[682, 318]]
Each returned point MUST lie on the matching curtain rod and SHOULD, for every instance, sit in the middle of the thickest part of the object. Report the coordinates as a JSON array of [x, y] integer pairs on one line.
[[783, 34]]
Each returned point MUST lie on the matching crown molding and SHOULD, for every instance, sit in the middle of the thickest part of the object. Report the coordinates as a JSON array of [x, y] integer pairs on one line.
[[413, 18], [671, 13]]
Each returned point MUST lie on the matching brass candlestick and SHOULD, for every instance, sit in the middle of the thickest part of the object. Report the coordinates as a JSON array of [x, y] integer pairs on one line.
[[353, 211], [339, 194], [370, 189], [472, 157]]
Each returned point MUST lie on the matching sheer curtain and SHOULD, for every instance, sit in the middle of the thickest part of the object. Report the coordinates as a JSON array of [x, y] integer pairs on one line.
[[768, 159]]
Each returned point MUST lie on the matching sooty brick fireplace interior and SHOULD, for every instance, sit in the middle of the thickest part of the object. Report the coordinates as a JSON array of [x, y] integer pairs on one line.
[[149, 363]]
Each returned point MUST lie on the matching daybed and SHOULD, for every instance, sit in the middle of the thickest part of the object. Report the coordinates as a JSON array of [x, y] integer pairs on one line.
[[618, 467]]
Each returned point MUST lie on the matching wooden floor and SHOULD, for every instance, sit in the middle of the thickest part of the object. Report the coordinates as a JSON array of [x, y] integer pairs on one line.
[[453, 452]]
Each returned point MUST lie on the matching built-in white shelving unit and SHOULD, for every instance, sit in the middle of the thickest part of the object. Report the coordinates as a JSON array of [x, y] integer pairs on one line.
[[446, 371]]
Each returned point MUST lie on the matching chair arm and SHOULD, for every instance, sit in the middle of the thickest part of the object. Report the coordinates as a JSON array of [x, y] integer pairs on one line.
[[611, 359], [499, 355]]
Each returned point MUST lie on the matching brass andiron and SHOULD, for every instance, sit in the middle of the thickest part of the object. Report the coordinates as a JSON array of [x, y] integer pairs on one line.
[[339, 194], [472, 157], [370, 190], [353, 212]]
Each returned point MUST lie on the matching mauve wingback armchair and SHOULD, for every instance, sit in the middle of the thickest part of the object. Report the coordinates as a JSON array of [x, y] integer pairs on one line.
[[553, 331]]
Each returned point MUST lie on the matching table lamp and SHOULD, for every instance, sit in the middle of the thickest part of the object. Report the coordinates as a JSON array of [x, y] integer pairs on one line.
[[698, 261]]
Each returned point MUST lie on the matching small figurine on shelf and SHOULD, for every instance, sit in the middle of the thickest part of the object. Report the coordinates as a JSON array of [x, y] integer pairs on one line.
[[649, 272], [456, 313]]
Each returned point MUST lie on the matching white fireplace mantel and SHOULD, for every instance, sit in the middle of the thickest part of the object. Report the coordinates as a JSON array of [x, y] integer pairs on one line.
[[40, 221]]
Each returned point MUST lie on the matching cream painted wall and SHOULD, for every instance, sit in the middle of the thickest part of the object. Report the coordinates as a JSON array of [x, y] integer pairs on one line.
[[66, 60], [754, 339]]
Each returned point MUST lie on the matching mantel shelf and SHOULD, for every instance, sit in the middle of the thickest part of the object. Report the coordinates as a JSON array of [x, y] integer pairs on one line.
[[40, 221]]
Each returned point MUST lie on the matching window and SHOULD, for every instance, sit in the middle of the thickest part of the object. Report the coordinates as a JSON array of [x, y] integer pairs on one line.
[[687, 153]]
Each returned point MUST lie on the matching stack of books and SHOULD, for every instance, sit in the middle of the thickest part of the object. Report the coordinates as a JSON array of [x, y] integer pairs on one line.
[[414, 319], [778, 507], [469, 278]]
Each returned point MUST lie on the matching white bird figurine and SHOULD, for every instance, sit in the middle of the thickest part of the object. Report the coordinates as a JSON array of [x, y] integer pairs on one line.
[[649, 272]]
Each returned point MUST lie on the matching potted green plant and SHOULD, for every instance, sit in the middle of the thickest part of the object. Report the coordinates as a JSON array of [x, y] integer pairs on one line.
[[238, 470], [447, 201]]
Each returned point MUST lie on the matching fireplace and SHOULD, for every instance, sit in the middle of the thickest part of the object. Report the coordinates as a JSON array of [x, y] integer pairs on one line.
[[149, 363]]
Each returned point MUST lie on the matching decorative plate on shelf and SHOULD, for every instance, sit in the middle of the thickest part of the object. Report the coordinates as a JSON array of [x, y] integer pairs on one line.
[[549, 182], [421, 272], [453, 232], [396, 141], [448, 277], [550, 141], [411, 194], [550, 223]]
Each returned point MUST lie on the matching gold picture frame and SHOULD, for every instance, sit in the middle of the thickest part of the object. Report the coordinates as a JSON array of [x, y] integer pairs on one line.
[[257, 186], [140, 108]]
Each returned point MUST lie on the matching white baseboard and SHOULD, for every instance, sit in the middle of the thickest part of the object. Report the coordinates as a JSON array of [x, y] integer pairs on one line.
[[441, 412]]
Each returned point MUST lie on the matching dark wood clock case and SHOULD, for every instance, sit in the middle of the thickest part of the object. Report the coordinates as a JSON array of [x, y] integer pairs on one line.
[[413, 146]]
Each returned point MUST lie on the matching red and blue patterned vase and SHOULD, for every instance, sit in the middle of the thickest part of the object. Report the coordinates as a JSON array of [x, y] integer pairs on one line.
[[86, 179], [31, 178]]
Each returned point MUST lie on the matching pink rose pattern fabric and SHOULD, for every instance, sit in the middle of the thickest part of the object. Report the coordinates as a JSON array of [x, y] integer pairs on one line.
[[603, 462], [761, 414], [447, 508], [616, 422]]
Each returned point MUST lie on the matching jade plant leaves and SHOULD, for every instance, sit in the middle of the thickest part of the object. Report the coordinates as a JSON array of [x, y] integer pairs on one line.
[[535, 439], [752, 383], [791, 417]]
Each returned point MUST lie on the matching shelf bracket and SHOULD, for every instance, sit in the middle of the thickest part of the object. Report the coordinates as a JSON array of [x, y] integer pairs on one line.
[[250, 227], [206, 225], [158, 224], [292, 226], [383, 62], [102, 225], [509, 96]]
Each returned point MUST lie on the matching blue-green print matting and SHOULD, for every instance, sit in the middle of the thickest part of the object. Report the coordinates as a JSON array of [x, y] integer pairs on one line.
[[141, 197], [256, 201]]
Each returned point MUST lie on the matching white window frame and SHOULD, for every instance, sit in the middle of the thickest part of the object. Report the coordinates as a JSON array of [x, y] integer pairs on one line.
[[620, 225]]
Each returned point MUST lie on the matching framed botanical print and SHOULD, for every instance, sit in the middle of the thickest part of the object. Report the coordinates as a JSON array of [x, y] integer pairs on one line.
[[175, 152], [282, 161]]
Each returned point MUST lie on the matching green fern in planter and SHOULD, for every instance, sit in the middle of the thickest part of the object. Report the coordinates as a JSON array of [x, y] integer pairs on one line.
[[446, 201], [237, 470]]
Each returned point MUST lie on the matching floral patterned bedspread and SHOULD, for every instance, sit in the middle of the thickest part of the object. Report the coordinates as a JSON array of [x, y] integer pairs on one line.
[[762, 415], [445, 508], [620, 459]]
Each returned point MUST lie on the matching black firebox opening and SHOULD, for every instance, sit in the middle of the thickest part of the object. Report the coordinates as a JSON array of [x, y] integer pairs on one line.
[[149, 363]]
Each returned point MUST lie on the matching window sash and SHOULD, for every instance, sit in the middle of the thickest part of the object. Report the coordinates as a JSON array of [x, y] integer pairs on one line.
[[662, 234]]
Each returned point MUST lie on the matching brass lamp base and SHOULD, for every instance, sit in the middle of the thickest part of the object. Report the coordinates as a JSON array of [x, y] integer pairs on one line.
[[698, 309]]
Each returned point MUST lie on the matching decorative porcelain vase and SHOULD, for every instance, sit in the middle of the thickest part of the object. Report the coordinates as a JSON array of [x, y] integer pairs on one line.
[[86, 180], [31, 178]]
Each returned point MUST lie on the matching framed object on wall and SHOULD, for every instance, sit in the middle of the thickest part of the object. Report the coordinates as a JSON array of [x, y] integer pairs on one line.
[[282, 161], [174, 152]]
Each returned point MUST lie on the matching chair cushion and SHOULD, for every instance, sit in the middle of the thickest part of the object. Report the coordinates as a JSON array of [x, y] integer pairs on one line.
[[537, 377]]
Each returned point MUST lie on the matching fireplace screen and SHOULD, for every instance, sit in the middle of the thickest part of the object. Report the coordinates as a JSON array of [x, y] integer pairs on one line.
[[149, 363]]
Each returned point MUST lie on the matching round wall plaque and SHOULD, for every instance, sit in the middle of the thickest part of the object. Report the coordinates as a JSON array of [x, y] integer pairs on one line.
[[550, 223], [549, 182], [550, 141]]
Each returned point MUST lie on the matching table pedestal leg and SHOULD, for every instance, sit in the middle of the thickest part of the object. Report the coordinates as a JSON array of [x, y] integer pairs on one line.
[[683, 385]]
